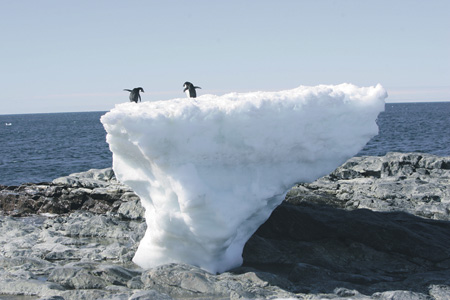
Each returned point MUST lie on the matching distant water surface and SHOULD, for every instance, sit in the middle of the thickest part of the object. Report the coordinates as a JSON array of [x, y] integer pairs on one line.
[[412, 127], [41, 147]]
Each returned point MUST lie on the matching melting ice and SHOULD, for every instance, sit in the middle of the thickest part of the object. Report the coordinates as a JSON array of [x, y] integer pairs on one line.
[[210, 170]]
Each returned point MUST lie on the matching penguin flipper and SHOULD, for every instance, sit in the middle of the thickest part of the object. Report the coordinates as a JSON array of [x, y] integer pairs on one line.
[[185, 90], [197, 87], [127, 90]]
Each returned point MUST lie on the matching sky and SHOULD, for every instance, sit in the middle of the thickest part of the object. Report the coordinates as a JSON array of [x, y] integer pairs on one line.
[[67, 56]]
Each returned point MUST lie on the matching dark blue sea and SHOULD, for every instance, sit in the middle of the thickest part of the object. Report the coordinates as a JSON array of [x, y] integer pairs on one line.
[[41, 147]]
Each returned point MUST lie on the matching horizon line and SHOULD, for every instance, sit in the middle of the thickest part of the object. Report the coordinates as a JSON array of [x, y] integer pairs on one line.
[[93, 111]]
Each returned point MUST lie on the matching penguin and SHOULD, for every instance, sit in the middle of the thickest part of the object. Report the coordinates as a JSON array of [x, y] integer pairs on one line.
[[189, 88], [134, 94]]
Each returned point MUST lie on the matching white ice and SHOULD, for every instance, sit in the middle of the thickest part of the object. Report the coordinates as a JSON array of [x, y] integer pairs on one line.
[[210, 170]]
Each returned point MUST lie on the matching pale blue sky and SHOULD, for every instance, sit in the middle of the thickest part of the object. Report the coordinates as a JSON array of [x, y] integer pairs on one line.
[[59, 56]]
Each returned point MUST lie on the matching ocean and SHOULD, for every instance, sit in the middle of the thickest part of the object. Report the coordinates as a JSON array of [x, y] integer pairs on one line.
[[41, 147]]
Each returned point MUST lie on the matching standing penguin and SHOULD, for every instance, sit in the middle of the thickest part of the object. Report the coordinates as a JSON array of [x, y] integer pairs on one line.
[[189, 88], [134, 94]]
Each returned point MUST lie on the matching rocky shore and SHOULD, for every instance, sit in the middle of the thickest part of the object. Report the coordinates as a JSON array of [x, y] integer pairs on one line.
[[375, 228]]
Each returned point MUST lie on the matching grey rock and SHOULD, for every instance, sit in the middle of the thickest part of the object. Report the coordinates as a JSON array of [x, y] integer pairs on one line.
[[92, 294], [116, 275], [319, 248], [95, 190], [18, 286], [76, 278], [375, 228], [415, 183], [25, 263], [55, 258], [178, 280], [400, 295], [151, 294], [131, 209], [93, 178], [440, 292], [52, 298], [185, 281], [135, 283]]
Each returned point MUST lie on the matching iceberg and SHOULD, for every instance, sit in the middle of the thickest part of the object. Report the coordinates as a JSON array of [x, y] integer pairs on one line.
[[210, 170]]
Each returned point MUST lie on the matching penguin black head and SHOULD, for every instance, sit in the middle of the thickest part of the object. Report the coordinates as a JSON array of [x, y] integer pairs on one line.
[[189, 88]]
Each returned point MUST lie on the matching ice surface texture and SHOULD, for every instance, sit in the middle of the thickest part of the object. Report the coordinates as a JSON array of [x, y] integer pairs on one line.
[[210, 170]]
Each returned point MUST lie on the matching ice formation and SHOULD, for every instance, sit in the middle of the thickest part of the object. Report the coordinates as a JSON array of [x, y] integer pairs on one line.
[[210, 170]]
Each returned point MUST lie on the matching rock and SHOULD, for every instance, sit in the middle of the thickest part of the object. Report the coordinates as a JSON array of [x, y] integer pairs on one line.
[[33, 287], [135, 283], [25, 263], [151, 294], [115, 274], [52, 298], [131, 209], [318, 248], [400, 295], [179, 280], [76, 278], [375, 228], [440, 292], [95, 294], [415, 183], [70, 264], [95, 190], [91, 179], [185, 281]]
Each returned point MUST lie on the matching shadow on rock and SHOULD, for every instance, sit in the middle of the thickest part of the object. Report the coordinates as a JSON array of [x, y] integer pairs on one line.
[[320, 248]]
